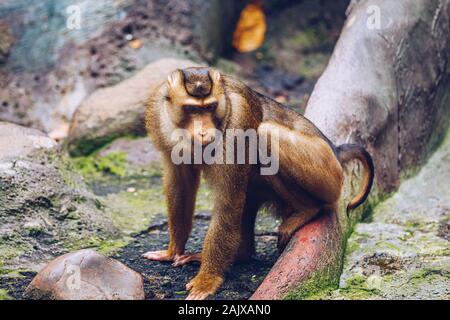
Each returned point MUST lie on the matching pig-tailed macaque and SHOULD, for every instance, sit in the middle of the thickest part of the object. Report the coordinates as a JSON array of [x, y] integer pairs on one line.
[[205, 106]]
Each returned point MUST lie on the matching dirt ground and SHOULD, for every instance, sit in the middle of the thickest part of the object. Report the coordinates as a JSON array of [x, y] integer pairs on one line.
[[162, 281]]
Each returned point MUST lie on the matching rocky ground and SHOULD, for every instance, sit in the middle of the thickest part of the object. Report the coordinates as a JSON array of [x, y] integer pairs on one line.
[[402, 251], [125, 178], [139, 210]]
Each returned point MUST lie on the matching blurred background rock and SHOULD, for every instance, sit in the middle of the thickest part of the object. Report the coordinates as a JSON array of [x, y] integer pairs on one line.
[[47, 70]]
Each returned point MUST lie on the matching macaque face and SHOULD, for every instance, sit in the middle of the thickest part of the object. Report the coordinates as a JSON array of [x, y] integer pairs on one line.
[[196, 103]]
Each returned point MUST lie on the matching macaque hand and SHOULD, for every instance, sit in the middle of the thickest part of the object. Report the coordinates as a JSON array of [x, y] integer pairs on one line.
[[202, 286], [178, 259]]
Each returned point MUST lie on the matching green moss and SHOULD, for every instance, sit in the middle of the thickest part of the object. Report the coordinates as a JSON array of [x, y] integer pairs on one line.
[[10, 273], [430, 272], [105, 167], [92, 166], [133, 212], [105, 246], [12, 250], [114, 163], [310, 38], [35, 230], [108, 247], [4, 271], [316, 288], [313, 65], [390, 246], [86, 146], [154, 170], [356, 288], [354, 242], [323, 283], [4, 295]]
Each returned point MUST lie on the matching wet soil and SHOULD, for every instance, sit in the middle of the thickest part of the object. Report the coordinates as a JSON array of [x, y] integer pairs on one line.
[[162, 281]]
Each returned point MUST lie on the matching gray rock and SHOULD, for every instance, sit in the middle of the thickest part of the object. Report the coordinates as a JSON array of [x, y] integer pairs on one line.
[[119, 110], [403, 252], [86, 275], [17, 141], [139, 152], [45, 207]]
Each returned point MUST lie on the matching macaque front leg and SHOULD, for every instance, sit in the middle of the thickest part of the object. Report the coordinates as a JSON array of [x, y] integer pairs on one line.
[[180, 184], [221, 242]]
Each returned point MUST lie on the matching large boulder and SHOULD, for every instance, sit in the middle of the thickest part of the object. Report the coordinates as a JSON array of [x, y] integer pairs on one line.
[[119, 110], [86, 275], [45, 207]]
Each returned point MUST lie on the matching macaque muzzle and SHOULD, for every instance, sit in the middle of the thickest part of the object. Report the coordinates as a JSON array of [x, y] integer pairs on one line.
[[202, 130]]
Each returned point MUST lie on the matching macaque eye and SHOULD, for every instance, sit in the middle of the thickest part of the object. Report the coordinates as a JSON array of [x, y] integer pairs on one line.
[[190, 108], [199, 109], [210, 107]]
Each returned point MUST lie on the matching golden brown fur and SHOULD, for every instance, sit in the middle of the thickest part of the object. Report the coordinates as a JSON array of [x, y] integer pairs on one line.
[[310, 175]]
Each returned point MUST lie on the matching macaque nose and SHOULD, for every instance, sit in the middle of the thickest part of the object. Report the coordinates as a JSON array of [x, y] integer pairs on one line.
[[204, 137]]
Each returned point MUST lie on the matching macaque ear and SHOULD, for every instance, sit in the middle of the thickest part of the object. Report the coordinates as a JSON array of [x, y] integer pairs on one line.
[[174, 79], [215, 75]]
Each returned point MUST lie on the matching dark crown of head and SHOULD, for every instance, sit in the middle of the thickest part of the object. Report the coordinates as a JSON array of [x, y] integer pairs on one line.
[[197, 82]]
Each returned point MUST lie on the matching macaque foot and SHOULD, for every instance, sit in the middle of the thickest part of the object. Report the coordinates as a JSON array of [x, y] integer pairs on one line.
[[182, 259], [203, 286], [161, 255]]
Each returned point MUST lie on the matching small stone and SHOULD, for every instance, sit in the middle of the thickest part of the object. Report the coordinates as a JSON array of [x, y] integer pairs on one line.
[[131, 190], [86, 275]]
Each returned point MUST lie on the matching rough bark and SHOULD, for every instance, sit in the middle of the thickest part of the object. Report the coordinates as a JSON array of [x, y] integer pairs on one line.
[[386, 87]]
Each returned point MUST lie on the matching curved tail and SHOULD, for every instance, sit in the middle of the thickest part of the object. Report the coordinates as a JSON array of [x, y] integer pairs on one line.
[[347, 152]]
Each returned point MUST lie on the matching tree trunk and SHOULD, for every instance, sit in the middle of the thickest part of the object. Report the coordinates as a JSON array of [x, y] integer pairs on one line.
[[387, 87]]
